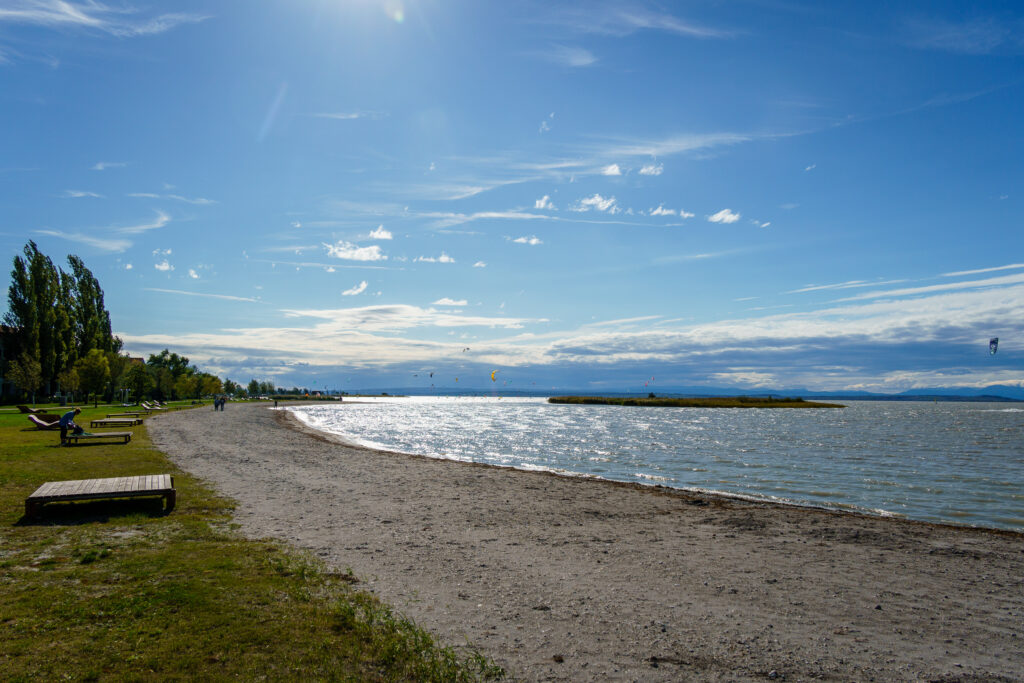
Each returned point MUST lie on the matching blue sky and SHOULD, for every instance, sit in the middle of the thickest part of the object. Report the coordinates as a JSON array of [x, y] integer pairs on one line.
[[580, 194]]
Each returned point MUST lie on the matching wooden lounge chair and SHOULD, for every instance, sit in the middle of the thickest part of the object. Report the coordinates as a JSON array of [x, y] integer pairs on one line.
[[41, 423], [116, 422], [78, 438], [147, 406], [93, 489], [31, 411]]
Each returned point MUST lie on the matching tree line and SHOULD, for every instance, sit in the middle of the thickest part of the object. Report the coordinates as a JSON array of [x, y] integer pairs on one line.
[[58, 340]]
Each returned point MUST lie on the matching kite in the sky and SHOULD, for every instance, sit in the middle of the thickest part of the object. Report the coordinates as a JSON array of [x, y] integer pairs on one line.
[[492, 376], [993, 345]]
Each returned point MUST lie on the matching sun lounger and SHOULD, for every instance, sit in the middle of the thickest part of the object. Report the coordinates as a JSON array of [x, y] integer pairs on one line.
[[78, 438], [94, 489], [147, 406], [31, 411], [44, 424], [116, 422]]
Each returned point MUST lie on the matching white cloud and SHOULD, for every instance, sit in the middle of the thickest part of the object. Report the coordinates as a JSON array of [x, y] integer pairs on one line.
[[479, 264], [446, 220], [358, 289], [330, 269], [102, 243], [76, 194], [379, 233], [163, 266], [611, 169], [662, 211], [296, 224], [652, 169], [599, 203], [92, 15], [724, 216], [161, 252], [544, 127], [193, 274], [532, 240], [443, 258], [566, 55], [350, 116], [127, 266], [161, 220], [352, 252], [450, 302], [544, 203], [225, 297], [104, 165], [811, 167]]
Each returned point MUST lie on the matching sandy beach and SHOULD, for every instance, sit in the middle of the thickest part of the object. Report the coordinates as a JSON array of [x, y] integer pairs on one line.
[[561, 578]]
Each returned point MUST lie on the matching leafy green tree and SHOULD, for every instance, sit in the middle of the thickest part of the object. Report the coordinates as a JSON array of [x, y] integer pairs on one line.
[[26, 374], [69, 381], [118, 365], [138, 380], [33, 303], [163, 383], [94, 372], [230, 387], [210, 385], [91, 318], [254, 387], [171, 362], [186, 386]]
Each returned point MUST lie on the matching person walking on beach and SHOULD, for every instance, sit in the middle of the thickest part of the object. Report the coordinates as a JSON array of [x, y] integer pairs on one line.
[[67, 421]]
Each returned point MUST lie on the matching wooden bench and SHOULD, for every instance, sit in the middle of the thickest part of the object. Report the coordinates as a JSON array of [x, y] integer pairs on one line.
[[95, 489], [130, 413], [75, 438], [115, 422]]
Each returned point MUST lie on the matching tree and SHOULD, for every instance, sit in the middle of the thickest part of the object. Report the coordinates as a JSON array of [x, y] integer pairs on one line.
[[171, 362], [118, 365], [91, 318], [26, 374], [163, 383], [68, 381], [230, 387], [138, 380], [33, 303], [186, 386], [94, 372], [210, 385], [254, 387]]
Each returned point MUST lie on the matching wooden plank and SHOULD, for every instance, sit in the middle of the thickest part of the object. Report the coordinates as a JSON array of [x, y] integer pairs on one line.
[[113, 487]]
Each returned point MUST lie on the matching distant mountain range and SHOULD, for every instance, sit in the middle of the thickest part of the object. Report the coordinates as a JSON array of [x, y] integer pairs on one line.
[[990, 393]]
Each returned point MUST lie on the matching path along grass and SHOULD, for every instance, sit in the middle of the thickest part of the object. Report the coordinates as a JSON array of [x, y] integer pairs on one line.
[[117, 590]]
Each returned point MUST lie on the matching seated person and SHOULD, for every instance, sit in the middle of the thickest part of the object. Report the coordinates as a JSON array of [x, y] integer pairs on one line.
[[67, 421]]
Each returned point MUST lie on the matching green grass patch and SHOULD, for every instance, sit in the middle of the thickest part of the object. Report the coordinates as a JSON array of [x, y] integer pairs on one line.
[[711, 402], [119, 590]]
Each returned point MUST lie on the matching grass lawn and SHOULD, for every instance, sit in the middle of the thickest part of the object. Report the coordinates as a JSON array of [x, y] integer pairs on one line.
[[118, 590]]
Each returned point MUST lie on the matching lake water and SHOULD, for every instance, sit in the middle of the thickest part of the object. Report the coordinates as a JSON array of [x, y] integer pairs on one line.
[[961, 463]]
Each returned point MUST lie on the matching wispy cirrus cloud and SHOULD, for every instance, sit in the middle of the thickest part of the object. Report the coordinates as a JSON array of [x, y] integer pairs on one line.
[[623, 19], [122, 22], [358, 289], [446, 301], [223, 297], [724, 216], [107, 244], [446, 220], [975, 36], [104, 165], [570, 56], [201, 201], [160, 221], [78, 194], [350, 115]]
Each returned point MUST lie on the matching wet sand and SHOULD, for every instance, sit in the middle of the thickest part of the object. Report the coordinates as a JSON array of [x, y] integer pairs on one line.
[[571, 579]]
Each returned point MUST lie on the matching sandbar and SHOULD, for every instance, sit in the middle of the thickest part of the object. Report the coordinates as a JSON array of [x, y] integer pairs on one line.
[[570, 579]]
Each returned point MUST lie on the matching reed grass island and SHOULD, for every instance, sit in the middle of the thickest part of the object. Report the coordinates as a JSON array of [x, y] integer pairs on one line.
[[706, 402]]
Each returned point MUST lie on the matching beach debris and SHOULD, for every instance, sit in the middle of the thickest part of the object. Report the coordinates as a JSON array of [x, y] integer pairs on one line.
[[993, 346], [558, 658]]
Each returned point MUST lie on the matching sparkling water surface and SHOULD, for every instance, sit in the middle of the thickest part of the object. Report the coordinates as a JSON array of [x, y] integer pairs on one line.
[[960, 463]]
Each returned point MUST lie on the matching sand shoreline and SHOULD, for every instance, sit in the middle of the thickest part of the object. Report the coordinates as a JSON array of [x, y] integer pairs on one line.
[[565, 578]]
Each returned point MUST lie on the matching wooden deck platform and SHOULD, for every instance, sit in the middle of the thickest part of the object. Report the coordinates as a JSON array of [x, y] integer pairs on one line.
[[130, 413], [76, 438], [116, 422], [95, 489]]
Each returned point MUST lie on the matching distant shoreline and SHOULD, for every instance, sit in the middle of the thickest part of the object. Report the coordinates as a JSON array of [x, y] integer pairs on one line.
[[714, 402]]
